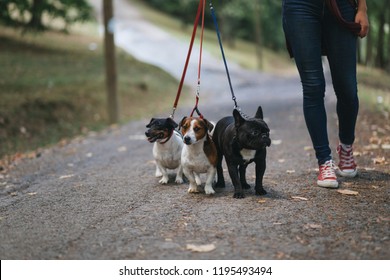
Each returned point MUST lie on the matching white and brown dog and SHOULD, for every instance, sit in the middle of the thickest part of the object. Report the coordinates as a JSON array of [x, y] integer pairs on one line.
[[199, 154], [167, 147]]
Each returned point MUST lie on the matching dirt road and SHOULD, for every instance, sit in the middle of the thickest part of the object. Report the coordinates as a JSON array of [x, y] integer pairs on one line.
[[97, 197]]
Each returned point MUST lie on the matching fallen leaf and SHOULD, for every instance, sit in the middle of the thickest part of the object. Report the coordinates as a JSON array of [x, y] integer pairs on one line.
[[66, 176], [299, 198], [307, 148], [384, 219], [201, 248], [281, 160], [386, 146], [348, 192], [89, 155], [262, 201], [291, 171], [32, 193], [315, 226], [369, 168], [379, 160]]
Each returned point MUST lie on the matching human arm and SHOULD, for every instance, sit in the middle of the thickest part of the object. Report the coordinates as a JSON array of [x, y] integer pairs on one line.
[[362, 18]]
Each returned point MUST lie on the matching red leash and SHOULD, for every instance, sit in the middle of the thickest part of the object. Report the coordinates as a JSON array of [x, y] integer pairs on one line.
[[196, 22]]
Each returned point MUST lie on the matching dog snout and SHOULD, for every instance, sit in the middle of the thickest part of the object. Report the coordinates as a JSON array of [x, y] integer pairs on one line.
[[187, 140]]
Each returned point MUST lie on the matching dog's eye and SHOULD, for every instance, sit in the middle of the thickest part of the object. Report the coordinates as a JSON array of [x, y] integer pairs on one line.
[[255, 133], [196, 129]]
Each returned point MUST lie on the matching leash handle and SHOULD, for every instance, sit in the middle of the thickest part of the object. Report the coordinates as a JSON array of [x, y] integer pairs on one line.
[[196, 22], [223, 53]]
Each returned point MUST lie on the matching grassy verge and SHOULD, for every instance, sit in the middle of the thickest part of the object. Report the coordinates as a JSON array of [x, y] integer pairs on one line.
[[53, 87]]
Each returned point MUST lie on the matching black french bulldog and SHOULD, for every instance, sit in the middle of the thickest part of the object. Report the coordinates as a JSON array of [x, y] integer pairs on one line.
[[242, 141]]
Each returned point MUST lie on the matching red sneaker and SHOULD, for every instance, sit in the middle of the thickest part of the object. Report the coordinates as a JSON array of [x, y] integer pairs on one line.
[[347, 165], [327, 177]]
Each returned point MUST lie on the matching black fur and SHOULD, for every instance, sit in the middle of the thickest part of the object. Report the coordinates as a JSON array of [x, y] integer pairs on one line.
[[233, 135]]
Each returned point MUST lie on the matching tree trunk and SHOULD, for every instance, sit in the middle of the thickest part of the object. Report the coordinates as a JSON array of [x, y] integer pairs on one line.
[[109, 53], [380, 58], [258, 34], [36, 15]]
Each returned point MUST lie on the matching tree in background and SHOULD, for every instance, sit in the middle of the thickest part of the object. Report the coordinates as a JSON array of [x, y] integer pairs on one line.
[[260, 21], [33, 14]]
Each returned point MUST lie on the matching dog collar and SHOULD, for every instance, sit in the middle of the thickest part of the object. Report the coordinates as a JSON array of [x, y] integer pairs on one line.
[[169, 137]]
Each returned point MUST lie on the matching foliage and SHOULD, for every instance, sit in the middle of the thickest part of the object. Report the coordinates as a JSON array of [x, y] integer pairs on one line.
[[237, 19], [32, 14]]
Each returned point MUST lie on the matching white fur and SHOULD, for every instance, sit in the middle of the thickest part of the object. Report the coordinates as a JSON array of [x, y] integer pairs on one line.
[[248, 155], [194, 161], [168, 156]]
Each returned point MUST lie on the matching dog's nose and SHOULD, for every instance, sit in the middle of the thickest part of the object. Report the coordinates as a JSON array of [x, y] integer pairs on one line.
[[187, 140]]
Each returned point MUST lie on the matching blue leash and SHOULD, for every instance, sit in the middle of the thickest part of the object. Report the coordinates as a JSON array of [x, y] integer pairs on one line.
[[223, 53]]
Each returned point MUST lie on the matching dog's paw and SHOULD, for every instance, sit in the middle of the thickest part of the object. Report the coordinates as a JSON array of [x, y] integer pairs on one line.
[[261, 191], [164, 180], [238, 195], [209, 190], [193, 190], [246, 186], [179, 180]]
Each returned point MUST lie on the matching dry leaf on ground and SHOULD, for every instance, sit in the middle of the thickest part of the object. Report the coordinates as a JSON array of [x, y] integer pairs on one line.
[[67, 176], [348, 192], [299, 198], [201, 248]]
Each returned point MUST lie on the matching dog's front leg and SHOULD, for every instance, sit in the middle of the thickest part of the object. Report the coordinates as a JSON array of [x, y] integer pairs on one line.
[[242, 169], [208, 188], [191, 178], [164, 173], [179, 175], [158, 171], [260, 170], [220, 179], [233, 172]]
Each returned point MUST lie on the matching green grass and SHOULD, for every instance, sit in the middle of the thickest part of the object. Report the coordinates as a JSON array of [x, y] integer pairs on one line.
[[53, 87]]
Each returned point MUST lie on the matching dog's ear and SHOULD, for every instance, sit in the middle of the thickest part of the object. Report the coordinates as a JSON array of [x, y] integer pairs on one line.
[[171, 122], [209, 125], [182, 122], [259, 113], [238, 119], [150, 123]]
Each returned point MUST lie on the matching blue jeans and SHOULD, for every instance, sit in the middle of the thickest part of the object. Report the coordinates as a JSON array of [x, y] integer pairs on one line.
[[311, 30]]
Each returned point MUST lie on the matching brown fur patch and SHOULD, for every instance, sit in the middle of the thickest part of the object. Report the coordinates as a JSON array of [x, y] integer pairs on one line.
[[211, 151]]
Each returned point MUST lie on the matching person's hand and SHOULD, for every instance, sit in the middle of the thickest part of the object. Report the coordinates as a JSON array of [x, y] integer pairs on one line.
[[362, 18]]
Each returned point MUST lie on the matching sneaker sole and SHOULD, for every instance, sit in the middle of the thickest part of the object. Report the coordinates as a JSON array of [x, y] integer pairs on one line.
[[328, 184], [347, 174]]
